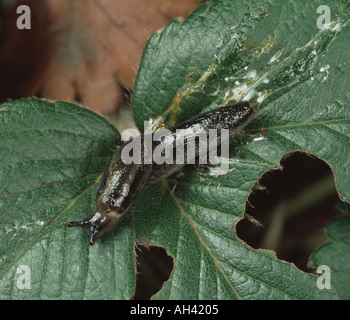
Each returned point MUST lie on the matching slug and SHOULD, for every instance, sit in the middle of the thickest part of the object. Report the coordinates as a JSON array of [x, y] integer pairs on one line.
[[121, 183]]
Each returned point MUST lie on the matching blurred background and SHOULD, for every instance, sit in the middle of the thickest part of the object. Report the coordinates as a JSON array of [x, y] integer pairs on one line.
[[88, 51], [81, 50]]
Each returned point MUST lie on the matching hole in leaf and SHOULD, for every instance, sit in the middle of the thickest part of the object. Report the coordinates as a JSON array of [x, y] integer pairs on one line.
[[154, 267], [293, 209]]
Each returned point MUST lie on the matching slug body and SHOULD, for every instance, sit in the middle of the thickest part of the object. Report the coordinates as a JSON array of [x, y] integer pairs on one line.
[[122, 183]]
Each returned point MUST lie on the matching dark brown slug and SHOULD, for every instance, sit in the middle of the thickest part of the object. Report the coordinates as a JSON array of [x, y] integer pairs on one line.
[[122, 182]]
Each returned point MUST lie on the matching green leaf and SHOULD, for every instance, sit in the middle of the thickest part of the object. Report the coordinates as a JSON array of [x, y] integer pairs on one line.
[[225, 52], [336, 255], [52, 157]]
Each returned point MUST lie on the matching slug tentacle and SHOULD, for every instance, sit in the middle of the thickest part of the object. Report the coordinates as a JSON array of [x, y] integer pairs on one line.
[[88, 226]]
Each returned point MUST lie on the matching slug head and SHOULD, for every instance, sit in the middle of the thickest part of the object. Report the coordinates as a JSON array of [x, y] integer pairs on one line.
[[97, 224]]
